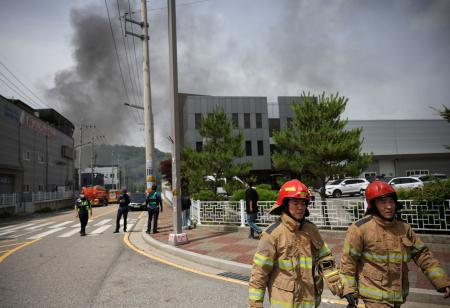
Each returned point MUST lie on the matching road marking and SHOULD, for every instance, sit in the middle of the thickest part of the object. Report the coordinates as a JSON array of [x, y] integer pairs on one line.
[[41, 225], [16, 228], [44, 234], [102, 222], [6, 255], [70, 233], [61, 224], [129, 226], [14, 244], [101, 229], [28, 232], [6, 227]]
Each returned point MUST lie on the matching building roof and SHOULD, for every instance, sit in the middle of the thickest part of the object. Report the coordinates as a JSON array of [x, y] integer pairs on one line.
[[404, 137]]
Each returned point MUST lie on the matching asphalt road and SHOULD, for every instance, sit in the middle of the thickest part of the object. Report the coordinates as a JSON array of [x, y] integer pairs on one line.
[[41, 267]]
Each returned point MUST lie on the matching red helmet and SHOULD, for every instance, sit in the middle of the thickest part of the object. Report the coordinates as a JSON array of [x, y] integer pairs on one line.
[[378, 189], [290, 189]]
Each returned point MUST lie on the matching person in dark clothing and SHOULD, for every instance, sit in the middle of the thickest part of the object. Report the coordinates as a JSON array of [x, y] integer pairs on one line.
[[251, 208], [82, 210], [186, 208], [153, 202], [124, 200]]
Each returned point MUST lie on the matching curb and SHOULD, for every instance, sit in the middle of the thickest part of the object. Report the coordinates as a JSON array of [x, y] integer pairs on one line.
[[225, 265]]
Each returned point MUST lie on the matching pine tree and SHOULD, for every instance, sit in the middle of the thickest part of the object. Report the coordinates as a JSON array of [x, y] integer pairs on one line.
[[316, 146], [218, 157]]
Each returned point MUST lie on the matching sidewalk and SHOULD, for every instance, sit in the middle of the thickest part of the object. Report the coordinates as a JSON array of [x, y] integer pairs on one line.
[[229, 249]]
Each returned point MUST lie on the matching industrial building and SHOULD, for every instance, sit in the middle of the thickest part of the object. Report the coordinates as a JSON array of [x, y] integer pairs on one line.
[[399, 147], [36, 150]]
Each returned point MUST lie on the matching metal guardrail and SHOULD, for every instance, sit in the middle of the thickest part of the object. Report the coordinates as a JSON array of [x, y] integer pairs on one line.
[[8, 200], [333, 214]]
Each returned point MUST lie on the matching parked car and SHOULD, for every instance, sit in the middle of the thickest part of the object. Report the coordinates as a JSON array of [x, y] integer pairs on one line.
[[431, 177], [407, 182], [137, 201], [350, 187]]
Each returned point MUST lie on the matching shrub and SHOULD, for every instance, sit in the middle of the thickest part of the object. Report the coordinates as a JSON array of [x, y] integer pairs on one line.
[[264, 186], [206, 195], [264, 194], [433, 192]]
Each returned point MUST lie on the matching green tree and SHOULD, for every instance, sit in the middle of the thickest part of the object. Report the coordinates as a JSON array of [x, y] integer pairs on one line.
[[218, 157], [445, 113], [316, 146]]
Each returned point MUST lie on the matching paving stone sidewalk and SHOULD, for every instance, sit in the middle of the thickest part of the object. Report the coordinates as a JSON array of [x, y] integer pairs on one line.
[[234, 245]]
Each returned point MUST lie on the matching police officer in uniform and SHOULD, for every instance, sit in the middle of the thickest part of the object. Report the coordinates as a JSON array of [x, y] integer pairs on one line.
[[153, 202], [124, 200], [82, 210]]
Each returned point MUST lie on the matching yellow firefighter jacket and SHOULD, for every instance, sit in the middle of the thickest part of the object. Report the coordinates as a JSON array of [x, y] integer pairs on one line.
[[288, 262], [375, 257]]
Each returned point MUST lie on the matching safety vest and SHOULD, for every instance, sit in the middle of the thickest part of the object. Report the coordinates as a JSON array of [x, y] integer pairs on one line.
[[152, 201], [83, 205]]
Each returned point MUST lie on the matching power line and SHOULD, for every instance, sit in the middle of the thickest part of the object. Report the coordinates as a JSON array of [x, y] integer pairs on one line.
[[135, 57], [23, 84], [125, 45], [183, 4], [18, 91], [117, 53]]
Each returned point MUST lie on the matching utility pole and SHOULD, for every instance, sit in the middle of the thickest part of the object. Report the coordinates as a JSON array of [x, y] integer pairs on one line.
[[92, 162], [148, 114], [81, 149], [178, 237]]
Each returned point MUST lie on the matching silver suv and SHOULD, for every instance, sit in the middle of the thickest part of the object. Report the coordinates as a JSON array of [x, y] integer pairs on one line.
[[350, 187]]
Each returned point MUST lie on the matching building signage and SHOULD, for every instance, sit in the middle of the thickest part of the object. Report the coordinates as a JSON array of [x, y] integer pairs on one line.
[[38, 126]]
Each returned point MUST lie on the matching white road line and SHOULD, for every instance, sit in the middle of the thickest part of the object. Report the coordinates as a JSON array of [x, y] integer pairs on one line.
[[41, 225], [70, 233], [16, 228], [102, 222], [43, 234], [6, 227], [61, 224], [101, 229], [129, 226]]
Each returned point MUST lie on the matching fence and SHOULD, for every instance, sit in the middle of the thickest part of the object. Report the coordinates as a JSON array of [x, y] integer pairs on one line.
[[8, 200], [334, 214]]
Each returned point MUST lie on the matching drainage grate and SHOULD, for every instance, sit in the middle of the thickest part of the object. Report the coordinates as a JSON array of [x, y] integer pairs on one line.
[[235, 276]]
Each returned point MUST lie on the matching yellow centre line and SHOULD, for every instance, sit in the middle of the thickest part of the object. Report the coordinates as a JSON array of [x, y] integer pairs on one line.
[[12, 244], [10, 252]]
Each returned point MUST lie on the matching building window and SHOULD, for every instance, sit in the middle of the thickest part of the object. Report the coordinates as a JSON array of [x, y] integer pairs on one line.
[[246, 120], [198, 120], [26, 187], [26, 155], [248, 148], [417, 172], [40, 187], [235, 119], [199, 146], [274, 126], [260, 148], [41, 158], [258, 120]]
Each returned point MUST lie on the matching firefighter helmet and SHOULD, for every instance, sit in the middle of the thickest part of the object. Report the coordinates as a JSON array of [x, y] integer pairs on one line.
[[378, 189], [290, 189]]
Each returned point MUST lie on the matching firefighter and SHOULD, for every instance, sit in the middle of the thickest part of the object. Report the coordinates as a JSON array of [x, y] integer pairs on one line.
[[124, 200], [377, 249], [82, 210], [292, 259]]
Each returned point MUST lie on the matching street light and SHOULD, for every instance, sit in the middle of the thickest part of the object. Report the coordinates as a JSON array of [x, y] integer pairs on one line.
[[134, 106]]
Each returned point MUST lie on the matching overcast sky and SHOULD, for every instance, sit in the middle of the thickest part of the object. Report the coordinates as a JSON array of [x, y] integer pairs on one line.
[[390, 58]]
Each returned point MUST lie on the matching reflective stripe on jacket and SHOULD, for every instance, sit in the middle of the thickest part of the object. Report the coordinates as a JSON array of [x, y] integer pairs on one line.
[[83, 205], [375, 256], [286, 263]]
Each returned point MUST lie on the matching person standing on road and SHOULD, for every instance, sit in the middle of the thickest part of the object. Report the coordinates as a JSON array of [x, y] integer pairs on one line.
[[292, 260], [377, 249], [124, 200], [153, 202], [82, 210], [251, 208]]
